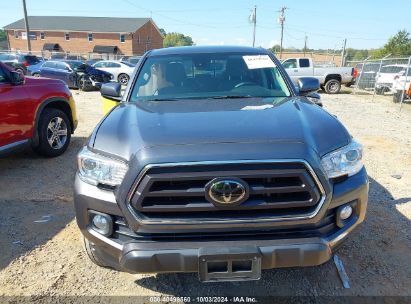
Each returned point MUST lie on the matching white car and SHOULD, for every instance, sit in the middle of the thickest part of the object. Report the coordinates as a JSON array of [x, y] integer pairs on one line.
[[402, 87], [386, 77], [121, 71]]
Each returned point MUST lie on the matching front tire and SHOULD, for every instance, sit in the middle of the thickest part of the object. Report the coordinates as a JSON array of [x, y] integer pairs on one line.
[[90, 251], [398, 96], [379, 91], [332, 86], [36, 75], [84, 84], [123, 79], [19, 70], [54, 130]]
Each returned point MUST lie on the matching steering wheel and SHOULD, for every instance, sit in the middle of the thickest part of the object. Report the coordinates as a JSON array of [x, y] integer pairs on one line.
[[244, 83]]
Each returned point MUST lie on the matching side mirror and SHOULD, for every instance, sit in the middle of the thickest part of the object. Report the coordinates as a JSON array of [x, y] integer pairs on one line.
[[315, 98], [16, 78], [307, 85], [111, 91]]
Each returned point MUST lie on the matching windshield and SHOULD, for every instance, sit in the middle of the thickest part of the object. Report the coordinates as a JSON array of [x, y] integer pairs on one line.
[[128, 64], [392, 69], [211, 75], [74, 64]]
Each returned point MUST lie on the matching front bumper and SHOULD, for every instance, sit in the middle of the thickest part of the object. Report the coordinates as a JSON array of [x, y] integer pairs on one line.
[[142, 256], [184, 256]]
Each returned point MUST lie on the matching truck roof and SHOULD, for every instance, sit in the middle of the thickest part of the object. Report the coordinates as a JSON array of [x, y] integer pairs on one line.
[[207, 49]]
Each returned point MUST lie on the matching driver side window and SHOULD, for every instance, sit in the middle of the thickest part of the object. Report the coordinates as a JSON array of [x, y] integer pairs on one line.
[[99, 65], [290, 64]]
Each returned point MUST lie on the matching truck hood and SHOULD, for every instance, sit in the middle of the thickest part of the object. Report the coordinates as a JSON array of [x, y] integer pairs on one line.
[[131, 127]]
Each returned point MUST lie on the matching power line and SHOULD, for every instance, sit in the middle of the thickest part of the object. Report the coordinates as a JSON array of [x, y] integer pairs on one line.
[[182, 22], [334, 36]]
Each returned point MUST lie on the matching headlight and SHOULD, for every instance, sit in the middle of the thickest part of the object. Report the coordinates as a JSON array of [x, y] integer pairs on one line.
[[344, 161], [97, 169]]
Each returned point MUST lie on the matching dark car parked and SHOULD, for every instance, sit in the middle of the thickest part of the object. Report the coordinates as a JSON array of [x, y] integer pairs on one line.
[[34, 70], [214, 162], [76, 74], [18, 62]]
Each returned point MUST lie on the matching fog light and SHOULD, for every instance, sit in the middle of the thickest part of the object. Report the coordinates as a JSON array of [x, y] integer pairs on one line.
[[345, 212], [102, 223]]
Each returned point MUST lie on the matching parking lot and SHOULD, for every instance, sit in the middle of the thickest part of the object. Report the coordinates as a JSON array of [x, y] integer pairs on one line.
[[41, 252]]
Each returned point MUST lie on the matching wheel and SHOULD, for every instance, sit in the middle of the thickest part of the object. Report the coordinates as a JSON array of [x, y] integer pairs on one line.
[[90, 251], [123, 79], [54, 131], [19, 70], [85, 84], [332, 86], [36, 75], [397, 97], [379, 91]]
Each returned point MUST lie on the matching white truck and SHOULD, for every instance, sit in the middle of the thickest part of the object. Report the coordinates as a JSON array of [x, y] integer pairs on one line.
[[330, 78]]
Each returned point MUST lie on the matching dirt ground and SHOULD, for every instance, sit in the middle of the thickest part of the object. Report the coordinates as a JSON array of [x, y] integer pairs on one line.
[[45, 258]]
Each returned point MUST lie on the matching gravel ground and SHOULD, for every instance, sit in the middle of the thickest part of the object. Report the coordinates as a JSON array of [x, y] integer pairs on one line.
[[46, 259]]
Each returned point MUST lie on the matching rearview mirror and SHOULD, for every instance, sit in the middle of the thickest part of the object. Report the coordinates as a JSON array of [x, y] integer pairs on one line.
[[307, 85], [111, 91], [16, 78]]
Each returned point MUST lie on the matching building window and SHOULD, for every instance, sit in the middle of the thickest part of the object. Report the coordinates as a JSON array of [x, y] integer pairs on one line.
[[148, 39], [122, 38], [138, 39], [42, 35], [16, 34], [90, 37], [67, 36]]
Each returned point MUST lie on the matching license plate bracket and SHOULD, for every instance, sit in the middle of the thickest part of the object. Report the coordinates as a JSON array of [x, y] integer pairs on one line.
[[229, 264]]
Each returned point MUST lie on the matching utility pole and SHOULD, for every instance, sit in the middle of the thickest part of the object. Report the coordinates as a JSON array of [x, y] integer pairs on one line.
[[343, 52], [305, 44], [26, 21], [253, 20], [281, 20]]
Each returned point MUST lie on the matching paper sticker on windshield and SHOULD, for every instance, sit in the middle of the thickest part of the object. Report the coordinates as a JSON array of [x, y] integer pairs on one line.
[[258, 62]]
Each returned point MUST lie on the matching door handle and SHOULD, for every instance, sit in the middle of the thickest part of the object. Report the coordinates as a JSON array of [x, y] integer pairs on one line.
[[295, 70]]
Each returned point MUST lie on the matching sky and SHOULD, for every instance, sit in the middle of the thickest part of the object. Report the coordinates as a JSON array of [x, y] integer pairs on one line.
[[365, 23]]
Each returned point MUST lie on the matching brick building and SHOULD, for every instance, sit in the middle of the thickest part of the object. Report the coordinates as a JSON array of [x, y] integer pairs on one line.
[[128, 36]]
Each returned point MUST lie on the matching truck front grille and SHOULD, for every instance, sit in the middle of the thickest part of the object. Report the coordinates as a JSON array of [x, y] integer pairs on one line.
[[178, 192], [325, 227]]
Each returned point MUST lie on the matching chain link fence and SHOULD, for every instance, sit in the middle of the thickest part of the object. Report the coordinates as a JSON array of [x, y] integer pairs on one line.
[[47, 55], [388, 77]]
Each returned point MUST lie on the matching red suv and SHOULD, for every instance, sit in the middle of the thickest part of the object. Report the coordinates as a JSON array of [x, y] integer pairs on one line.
[[35, 111]]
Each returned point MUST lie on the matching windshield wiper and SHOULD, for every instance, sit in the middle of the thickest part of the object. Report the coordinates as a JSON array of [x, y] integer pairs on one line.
[[162, 99]]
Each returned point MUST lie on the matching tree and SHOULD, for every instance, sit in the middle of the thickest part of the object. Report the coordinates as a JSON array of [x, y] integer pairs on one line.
[[162, 31], [3, 35], [356, 54], [398, 45], [177, 39]]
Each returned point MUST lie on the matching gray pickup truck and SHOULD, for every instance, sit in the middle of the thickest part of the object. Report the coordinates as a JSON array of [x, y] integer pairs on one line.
[[214, 162], [330, 77]]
